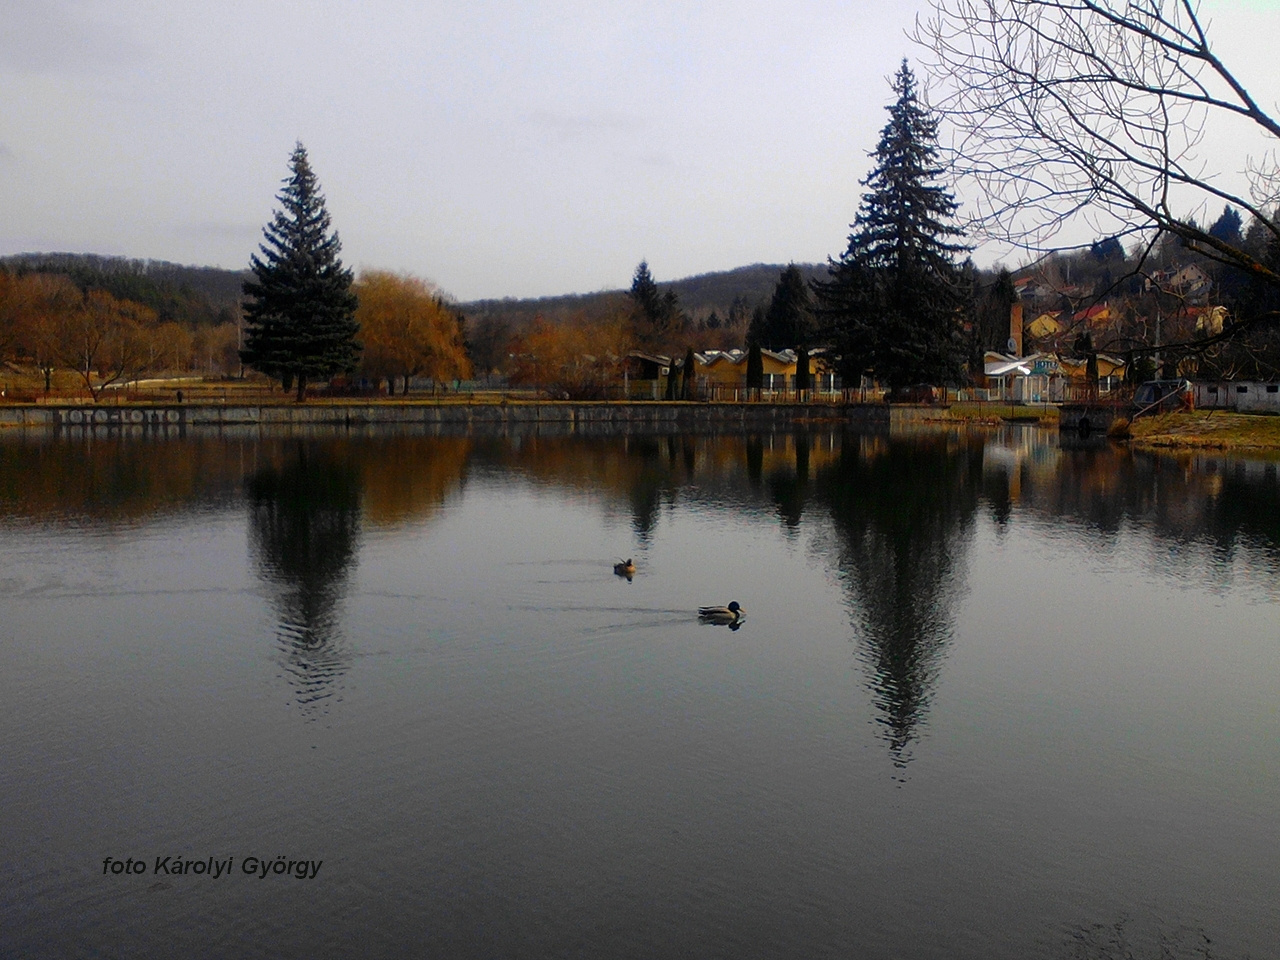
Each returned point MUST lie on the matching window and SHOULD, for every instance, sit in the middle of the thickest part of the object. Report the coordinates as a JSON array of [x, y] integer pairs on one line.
[[1273, 388], [1242, 389]]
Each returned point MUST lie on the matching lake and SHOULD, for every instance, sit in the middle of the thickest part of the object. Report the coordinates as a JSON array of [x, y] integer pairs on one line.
[[379, 693]]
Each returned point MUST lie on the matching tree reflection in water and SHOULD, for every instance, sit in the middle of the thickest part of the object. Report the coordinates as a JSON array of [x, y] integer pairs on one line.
[[902, 511], [790, 487], [305, 511], [645, 490]]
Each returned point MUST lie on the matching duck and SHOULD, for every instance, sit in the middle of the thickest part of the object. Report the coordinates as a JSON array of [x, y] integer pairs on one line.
[[727, 616], [627, 569]]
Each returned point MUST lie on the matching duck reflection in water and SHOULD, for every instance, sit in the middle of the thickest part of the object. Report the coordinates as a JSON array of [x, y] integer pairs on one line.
[[305, 521]]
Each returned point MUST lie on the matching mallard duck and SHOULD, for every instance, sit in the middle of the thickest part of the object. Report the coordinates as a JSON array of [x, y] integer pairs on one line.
[[727, 616], [627, 569]]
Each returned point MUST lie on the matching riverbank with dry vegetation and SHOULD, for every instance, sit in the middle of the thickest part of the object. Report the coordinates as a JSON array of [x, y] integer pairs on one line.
[[1207, 430]]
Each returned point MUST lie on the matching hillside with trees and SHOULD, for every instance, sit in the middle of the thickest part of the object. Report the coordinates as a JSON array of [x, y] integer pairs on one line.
[[700, 295], [88, 322], [192, 296], [1163, 306], [714, 311]]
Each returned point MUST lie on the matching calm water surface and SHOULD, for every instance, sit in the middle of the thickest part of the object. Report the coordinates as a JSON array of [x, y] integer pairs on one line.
[[992, 698]]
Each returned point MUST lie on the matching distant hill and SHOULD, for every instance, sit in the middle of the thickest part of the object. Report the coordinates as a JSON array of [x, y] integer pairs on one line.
[[195, 296], [699, 295], [753, 284], [210, 295]]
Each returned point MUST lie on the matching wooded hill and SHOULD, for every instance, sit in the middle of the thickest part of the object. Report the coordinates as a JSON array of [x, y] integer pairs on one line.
[[196, 296], [699, 296], [191, 296]]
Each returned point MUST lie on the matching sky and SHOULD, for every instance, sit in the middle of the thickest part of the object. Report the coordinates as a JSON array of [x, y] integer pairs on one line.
[[497, 149]]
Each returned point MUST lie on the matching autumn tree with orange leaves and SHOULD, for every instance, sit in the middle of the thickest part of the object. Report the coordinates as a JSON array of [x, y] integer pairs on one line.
[[48, 320], [408, 330], [579, 360], [103, 340], [31, 306]]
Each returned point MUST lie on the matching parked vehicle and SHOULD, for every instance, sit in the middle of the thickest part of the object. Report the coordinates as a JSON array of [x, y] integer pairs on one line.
[[1162, 396]]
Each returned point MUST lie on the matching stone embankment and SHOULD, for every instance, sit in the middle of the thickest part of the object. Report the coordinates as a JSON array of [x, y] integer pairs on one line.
[[582, 416]]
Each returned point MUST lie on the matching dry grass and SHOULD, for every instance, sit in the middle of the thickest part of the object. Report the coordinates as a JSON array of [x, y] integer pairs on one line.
[[1208, 430], [26, 385], [1000, 412]]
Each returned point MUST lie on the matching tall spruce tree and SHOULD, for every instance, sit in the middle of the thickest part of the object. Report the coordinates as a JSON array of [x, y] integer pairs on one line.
[[755, 369], [894, 302], [300, 319], [788, 322], [656, 315], [644, 291]]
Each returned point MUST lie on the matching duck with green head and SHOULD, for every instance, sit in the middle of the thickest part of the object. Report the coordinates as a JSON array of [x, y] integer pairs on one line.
[[729, 616]]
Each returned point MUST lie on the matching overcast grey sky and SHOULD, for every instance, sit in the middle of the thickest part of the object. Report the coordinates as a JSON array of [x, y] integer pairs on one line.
[[497, 148]]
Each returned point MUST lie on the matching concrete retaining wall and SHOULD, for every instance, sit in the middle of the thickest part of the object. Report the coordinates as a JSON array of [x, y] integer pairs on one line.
[[581, 416]]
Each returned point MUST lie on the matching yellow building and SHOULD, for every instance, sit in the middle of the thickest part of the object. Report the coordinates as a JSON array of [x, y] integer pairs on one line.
[[722, 374], [1045, 326]]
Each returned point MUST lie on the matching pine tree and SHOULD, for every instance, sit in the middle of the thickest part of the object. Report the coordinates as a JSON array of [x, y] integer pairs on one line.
[[689, 379], [300, 320], [1229, 228], [644, 291], [788, 321], [755, 369], [894, 303], [657, 315], [992, 305]]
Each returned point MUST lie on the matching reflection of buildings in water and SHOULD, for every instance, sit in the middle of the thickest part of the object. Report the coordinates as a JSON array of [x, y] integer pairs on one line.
[[305, 521], [1199, 514], [1013, 455], [901, 516]]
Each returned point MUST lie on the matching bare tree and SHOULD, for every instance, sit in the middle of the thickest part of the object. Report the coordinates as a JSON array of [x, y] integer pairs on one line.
[[1097, 109]]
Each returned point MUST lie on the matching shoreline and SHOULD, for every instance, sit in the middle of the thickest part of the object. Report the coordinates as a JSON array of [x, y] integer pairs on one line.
[[1217, 430], [455, 413]]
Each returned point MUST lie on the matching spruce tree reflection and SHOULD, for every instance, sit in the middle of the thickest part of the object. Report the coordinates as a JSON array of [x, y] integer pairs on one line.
[[305, 510], [790, 487], [645, 490], [755, 459], [902, 511]]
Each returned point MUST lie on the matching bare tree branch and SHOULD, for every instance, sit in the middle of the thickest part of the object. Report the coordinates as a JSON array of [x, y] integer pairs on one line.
[[1093, 109]]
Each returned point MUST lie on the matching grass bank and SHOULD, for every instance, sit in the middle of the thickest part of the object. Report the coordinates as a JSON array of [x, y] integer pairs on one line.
[[1207, 430], [975, 412]]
